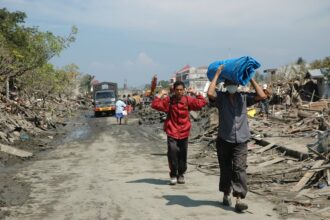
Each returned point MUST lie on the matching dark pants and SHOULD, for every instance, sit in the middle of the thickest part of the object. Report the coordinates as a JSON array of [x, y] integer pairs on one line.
[[177, 156], [232, 160], [265, 107]]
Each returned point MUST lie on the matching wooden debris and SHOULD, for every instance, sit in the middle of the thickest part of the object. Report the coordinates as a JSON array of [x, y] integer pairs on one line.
[[268, 147], [194, 115], [270, 162], [316, 152], [299, 202], [303, 193], [291, 209], [321, 105], [301, 184], [323, 210], [14, 151]]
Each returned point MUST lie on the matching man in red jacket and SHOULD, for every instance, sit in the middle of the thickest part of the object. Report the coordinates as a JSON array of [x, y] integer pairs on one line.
[[177, 126]]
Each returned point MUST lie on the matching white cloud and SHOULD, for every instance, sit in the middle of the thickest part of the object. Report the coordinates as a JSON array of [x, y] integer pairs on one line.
[[142, 60], [273, 30], [187, 22], [176, 14], [136, 69]]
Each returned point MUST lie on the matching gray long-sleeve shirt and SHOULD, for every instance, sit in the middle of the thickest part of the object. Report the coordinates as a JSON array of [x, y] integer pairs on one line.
[[233, 122]]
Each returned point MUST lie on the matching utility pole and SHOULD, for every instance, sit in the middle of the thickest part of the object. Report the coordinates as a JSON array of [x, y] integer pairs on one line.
[[125, 84]]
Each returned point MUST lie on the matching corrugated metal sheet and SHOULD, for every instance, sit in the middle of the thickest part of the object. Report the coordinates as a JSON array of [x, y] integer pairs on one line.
[[315, 73]]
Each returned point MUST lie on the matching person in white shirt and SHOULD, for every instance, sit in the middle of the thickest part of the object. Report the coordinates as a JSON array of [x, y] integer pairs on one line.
[[120, 107]]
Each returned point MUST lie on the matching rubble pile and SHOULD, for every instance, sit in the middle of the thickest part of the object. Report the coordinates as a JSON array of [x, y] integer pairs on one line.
[[289, 157], [24, 118], [149, 116], [289, 154]]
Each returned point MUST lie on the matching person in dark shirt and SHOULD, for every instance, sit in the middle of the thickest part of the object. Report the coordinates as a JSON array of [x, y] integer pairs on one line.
[[233, 136]]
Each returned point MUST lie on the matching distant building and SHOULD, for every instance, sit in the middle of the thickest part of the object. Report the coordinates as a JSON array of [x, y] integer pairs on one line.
[[198, 79], [192, 77], [172, 80], [183, 74], [270, 71]]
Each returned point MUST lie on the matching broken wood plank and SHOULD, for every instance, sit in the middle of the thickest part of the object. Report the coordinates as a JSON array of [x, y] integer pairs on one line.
[[267, 147], [324, 194], [255, 137], [303, 193], [14, 151], [291, 209], [298, 202], [323, 210], [307, 176], [253, 146], [300, 130], [267, 163], [316, 152], [194, 115]]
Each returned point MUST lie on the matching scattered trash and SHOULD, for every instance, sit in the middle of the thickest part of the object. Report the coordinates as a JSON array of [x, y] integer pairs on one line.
[[24, 137]]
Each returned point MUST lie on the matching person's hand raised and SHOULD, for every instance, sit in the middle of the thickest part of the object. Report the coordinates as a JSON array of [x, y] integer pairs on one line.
[[192, 91], [163, 93], [219, 70]]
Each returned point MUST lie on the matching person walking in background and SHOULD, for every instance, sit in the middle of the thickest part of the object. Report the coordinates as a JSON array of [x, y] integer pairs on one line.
[[129, 103], [120, 107], [127, 108], [233, 135], [132, 102], [287, 102], [265, 103], [177, 126]]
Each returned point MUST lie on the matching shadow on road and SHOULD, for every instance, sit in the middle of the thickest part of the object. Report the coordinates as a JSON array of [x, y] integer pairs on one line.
[[188, 202], [150, 181], [159, 154]]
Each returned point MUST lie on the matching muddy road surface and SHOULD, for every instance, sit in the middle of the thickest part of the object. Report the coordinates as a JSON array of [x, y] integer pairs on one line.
[[107, 171]]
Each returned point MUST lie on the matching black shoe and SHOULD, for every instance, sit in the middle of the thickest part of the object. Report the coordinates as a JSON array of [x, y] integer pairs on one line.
[[181, 179], [226, 201], [240, 207]]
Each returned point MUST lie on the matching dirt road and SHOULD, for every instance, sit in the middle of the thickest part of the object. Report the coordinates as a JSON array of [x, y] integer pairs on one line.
[[120, 172]]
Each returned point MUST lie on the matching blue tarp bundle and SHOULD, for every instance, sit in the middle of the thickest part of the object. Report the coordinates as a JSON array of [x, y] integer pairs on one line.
[[239, 70]]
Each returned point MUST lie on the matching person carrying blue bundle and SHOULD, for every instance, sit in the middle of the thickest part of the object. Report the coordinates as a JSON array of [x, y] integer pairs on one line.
[[238, 70], [233, 135]]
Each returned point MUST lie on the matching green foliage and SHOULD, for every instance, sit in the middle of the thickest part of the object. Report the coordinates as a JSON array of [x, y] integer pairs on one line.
[[322, 63], [24, 49], [85, 83], [25, 53], [163, 84], [47, 80], [10, 28]]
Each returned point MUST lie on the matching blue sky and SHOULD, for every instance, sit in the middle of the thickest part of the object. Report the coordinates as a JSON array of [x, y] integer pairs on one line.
[[134, 39]]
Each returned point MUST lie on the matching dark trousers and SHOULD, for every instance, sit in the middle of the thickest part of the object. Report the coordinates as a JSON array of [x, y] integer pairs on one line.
[[232, 160], [177, 155]]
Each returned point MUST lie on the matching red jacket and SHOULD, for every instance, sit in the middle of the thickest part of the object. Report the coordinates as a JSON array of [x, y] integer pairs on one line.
[[177, 124]]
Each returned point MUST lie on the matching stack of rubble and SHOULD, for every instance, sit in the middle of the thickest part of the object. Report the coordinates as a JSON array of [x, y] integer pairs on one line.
[[289, 155], [149, 116], [23, 119]]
